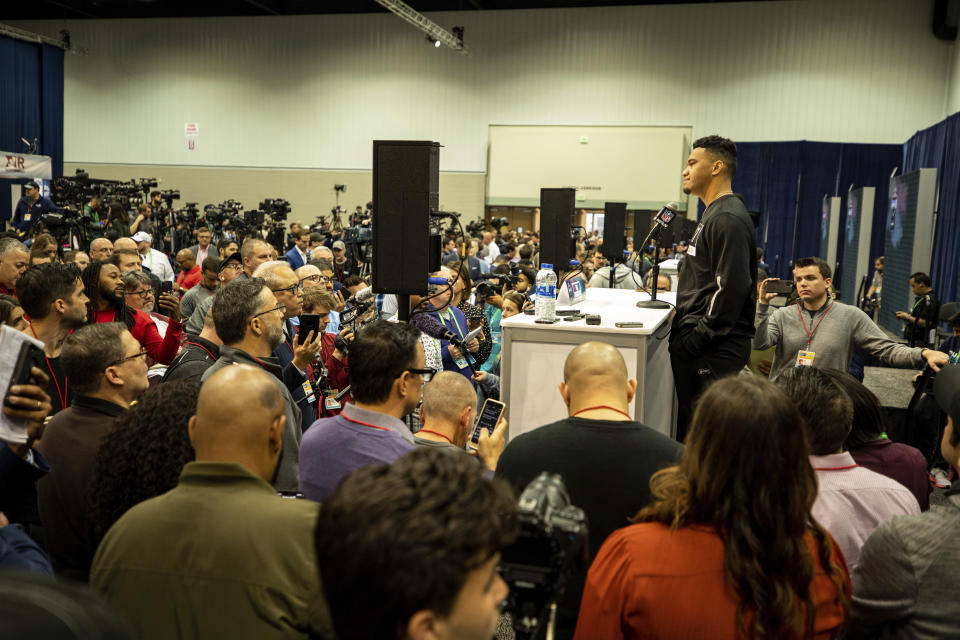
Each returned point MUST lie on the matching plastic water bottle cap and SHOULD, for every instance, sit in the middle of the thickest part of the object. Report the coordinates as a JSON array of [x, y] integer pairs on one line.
[[546, 265], [574, 263]]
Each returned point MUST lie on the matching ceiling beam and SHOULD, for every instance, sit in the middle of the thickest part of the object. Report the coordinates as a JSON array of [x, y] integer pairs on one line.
[[425, 24]]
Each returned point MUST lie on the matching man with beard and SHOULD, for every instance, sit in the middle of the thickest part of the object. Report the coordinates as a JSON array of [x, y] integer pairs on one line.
[[104, 287], [716, 293], [249, 320]]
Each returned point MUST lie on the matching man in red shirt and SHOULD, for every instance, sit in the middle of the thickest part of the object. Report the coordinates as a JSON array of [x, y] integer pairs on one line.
[[104, 288], [190, 272]]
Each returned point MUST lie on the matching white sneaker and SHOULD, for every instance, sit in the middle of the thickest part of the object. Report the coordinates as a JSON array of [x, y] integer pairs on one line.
[[939, 478]]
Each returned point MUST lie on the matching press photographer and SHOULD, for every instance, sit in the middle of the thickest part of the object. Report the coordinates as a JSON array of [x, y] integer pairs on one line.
[[30, 208]]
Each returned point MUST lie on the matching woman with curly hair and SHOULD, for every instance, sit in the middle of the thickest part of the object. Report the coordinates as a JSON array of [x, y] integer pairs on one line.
[[143, 456], [728, 547]]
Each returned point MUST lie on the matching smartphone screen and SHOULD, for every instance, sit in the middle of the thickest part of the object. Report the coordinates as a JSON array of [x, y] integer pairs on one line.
[[308, 322], [488, 419], [166, 287]]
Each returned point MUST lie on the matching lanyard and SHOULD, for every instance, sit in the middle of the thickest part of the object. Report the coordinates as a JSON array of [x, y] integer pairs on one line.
[[446, 314], [366, 424], [63, 395], [197, 344], [850, 466], [600, 406], [917, 303], [436, 433], [810, 333]]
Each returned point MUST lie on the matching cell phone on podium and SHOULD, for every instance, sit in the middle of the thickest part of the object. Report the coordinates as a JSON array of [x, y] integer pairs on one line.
[[488, 419]]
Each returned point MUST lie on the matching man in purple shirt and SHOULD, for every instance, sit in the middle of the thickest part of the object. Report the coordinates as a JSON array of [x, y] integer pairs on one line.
[[387, 373], [851, 500]]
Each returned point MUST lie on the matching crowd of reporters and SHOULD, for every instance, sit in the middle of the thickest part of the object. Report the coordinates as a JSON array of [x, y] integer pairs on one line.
[[180, 395]]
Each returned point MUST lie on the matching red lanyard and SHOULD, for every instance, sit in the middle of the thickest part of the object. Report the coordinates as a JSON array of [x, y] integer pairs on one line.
[[600, 406], [810, 333], [835, 468], [262, 364], [366, 424], [436, 433], [196, 344], [63, 396]]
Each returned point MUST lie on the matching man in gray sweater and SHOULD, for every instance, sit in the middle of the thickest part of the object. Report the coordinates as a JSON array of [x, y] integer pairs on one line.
[[906, 583], [822, 332]]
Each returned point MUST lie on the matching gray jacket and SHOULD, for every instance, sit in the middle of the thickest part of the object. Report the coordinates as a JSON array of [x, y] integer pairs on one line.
[[843, 328], [288, 470], [906, 583]]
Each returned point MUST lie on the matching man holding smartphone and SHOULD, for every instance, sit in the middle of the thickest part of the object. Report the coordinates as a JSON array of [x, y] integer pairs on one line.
[[819, 331], [448, 417]]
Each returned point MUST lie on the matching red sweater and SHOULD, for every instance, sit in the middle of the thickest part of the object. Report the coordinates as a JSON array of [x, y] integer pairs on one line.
[[650, 582], [162, 350], [189, 279]]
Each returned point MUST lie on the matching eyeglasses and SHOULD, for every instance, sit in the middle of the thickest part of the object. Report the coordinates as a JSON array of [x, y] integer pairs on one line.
[[427, 374], [146, 294], [314, 278], [294, 288], [142, 353], [280, 307], [235, 266]]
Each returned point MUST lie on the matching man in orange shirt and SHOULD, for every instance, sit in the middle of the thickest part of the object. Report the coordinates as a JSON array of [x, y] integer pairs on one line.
[[190, 273]]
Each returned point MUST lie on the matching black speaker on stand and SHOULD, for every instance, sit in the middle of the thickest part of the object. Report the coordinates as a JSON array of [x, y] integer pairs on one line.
[[614, 242], [406, 189], [557, 246]]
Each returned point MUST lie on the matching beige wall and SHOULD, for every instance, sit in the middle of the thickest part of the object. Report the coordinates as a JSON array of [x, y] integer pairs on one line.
[[310, 192]]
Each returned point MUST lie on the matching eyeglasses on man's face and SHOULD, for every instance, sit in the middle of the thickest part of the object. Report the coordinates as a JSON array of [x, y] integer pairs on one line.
[[294, 289], [314, 278], [280, 307], [139, 354], [427, 374], [145, 294]]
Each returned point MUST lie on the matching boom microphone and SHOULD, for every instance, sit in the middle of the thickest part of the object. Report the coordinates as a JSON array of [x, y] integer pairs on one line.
[[429, 325]]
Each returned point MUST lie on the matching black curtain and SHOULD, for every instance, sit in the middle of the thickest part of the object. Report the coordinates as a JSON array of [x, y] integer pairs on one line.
[[31, 95]]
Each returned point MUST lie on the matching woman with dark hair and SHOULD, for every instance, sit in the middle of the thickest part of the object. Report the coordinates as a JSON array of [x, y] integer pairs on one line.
[[11, 313], [869, 445], [144, 454], [117, 224], [727, 548]]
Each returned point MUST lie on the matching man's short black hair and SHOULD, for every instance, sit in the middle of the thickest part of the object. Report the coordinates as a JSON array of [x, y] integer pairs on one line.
[[211, 263], [378, 355], [154, 194], [826, 409], [819, 263], [954, 321], [921, 278], [223, 244], [88, 351], [723, 148], [233, 305], [42, 285], [316, 236], [396, 539]]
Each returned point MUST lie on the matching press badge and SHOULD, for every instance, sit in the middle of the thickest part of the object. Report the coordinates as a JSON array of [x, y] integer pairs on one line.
[[331, 403], [692, 250], [308, 392], [805, 358], [461, 363]]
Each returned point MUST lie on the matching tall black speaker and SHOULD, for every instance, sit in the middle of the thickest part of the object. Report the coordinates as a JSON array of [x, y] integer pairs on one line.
[[614, 225], [557, 246], [406, 179], [641, 227]]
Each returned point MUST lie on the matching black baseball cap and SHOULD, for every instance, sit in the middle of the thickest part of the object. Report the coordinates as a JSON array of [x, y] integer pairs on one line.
[[31, 185], [233, 256], [946, 389]]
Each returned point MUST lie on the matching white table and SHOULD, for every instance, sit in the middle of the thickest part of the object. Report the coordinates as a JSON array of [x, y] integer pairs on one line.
[[532, 358]]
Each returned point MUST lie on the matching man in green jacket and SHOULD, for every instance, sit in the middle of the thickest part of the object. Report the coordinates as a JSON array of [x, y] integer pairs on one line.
[[221, 555]]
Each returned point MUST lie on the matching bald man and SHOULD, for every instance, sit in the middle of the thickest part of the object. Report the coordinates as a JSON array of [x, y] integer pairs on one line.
[[101, 250], [221, 555], [128, 244], [605, 457], [448, 413], [190, 273]]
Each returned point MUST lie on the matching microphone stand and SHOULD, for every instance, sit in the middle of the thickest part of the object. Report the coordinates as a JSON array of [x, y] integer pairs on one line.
[[653, 303]]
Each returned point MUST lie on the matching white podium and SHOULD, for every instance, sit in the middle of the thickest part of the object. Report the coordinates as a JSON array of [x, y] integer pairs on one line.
[[532, 358]]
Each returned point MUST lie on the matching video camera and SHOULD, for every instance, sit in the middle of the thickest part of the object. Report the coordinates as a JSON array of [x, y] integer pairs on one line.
[[551, 545], [277, 208]]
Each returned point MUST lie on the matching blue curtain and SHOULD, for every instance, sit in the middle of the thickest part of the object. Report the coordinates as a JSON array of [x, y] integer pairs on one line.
[[786, 183], [936, 147], [31, 95]]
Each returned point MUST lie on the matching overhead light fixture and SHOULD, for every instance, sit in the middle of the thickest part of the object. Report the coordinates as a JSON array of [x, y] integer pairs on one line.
[[435, 33], [433, 41]]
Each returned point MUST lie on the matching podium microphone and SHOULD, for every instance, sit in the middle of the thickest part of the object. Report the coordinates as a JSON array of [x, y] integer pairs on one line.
[[661, 221]]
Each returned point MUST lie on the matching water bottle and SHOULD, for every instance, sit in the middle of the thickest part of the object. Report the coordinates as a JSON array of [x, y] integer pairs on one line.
[[546, 304]]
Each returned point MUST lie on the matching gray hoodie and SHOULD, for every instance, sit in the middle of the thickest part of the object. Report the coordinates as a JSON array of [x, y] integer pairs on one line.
[[624, 278], [843, 328]]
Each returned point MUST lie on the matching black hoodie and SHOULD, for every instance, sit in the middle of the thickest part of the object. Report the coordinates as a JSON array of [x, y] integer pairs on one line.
[[717, 286]]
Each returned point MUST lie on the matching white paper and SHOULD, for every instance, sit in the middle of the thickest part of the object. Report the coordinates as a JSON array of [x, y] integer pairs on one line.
[[12, 429]]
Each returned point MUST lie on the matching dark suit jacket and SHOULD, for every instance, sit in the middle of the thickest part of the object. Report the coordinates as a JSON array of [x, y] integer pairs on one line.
[[293, 379], [70, 443]]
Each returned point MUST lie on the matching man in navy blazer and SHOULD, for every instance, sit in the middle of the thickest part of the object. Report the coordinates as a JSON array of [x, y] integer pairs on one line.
[[297, 256]]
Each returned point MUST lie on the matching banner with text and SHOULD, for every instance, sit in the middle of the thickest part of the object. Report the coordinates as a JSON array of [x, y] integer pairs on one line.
[[23, 165]]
